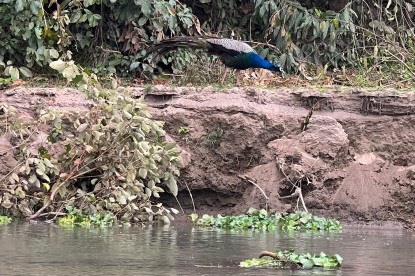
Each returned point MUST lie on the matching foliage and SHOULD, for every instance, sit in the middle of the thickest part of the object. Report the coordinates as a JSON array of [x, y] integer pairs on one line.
[[262, 219], [183, 131], [105, 34], [75, 217], [215, 135], [114, 36], [5, 220], [291, 259], [112, 159], [307, 221]]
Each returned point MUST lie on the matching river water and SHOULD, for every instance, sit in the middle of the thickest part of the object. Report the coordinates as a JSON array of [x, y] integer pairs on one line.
[[43, 249]]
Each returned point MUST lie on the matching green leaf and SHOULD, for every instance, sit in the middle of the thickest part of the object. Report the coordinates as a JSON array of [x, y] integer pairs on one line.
[[58, 65], [122, 200], [306, 263], [26, 72], [172, 185], [143, 20], [338, 258], [193, 217], [48, 163], [82, 127], [14, 73], [6, 204], [41, 167], [70, 72], [145, 8], [18, 5], [142, 172], [53, 53], [15, 177], [32, 178], [39, 172], [47, 186]]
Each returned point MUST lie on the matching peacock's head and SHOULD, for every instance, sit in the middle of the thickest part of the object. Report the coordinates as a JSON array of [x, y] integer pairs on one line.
[[277, 68]]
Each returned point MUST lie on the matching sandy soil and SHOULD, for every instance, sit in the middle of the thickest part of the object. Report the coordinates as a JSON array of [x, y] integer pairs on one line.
[[355, 161]]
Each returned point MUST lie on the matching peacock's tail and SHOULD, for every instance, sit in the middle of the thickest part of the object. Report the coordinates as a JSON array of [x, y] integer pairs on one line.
[[167, 45]]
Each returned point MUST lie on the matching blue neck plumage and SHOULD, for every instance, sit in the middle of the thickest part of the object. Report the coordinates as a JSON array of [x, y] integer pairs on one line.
[[258, 62]]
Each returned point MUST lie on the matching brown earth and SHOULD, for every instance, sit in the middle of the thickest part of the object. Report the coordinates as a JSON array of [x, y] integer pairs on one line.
[[355, 161]]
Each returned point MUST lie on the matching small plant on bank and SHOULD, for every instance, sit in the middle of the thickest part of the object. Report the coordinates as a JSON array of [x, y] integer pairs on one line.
[[5, 220], [214, 136], [262, 219], [290, 259], [184, 133], [183, 130]]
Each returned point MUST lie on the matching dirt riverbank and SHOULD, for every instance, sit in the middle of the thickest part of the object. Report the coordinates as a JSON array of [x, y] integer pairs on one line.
[[354, 161]]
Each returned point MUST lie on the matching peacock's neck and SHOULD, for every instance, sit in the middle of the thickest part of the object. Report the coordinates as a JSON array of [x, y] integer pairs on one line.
[[259, 62], [247, 60]]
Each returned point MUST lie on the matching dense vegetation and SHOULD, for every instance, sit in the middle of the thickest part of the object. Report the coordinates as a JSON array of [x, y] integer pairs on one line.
[[263, 220], [113, 37]]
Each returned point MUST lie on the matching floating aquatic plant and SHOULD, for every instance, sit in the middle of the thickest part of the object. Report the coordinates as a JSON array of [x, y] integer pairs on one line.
[[262, 219], [75, 217], [5, 220], [288, 258]]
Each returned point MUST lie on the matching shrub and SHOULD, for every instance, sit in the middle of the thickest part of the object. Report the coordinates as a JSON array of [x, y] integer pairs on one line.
[[113, 159]]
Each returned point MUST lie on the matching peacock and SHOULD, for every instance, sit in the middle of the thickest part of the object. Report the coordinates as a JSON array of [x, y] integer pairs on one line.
[[233, 53]]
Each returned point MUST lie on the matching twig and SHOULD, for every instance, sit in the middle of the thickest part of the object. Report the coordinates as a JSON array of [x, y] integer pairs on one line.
[[244, 177], [53, 213], [178, 202], [298, 193], [300, 196], [191, 196]]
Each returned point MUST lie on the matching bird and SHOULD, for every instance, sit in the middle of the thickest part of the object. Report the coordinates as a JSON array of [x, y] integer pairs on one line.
[[233, 53]]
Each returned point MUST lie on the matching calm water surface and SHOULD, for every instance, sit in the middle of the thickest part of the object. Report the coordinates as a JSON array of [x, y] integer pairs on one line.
[[42, 249]]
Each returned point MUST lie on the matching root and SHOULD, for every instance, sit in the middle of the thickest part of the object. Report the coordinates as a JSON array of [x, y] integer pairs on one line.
[[256, 185]]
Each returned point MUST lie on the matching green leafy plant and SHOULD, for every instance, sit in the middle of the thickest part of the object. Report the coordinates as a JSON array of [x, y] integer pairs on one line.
[[5, 220], [261, 219], [113, 159], [14, 72], [215, 135], [306, 221], [282, 259], [183, 130]]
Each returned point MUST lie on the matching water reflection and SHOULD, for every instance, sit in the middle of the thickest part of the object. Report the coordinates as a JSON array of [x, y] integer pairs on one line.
[[41, 249]]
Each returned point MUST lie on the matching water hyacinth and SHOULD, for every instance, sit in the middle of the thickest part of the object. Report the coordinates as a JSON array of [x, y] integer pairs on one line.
[[289, 258], [5, 220], [262, 219]]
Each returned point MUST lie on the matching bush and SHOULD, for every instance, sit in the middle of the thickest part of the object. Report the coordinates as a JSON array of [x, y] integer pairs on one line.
[[113, 159]]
